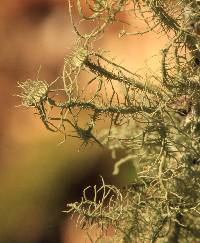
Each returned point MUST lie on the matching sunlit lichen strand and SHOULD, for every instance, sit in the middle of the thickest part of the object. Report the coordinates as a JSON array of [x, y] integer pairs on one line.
[[151, 120]]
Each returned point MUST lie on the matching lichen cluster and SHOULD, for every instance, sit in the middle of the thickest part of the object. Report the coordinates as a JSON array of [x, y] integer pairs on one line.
[[153, 119]]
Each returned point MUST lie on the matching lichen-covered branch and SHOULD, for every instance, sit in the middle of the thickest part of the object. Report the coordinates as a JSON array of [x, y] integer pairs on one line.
[[151, 121]]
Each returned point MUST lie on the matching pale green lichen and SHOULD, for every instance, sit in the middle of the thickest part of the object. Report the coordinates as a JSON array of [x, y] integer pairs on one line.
[[33, 92], [155, 128]]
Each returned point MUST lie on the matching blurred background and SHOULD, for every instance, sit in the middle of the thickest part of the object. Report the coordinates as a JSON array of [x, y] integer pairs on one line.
[[38, 177]]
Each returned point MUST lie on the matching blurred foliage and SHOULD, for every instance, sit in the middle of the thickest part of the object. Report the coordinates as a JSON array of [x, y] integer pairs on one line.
[[33, 192]]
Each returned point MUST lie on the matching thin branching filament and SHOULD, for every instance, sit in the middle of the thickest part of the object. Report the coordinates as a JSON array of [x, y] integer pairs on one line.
[[153, 118]]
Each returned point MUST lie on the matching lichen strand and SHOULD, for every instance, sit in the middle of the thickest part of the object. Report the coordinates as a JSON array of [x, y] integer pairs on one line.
[[154, 128], [33, 92]]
